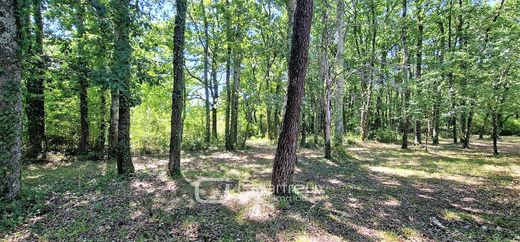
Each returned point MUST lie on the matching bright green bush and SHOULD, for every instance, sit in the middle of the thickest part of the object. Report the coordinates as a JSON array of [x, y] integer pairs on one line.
[[511, 127], [384, 136]]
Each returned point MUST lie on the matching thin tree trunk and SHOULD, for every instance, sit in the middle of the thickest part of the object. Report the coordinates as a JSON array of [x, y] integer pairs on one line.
[[451, 92], [406, 94], [437, 92], [228, 101], [10, 101], [467, 131], [418, 73], [174, 165], [228, 84], [215, 96], [285, 158], [276, 111], [317, 117], [35, 90], [114, 122], [121, 68], [83, 82], [234, 101], [379, 100], [496, 132], [340, 82], [207, 133], [325, 75], [100, 144]]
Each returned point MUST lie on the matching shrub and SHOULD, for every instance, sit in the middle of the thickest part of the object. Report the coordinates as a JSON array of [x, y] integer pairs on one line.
[[511, 127], [384, 136]]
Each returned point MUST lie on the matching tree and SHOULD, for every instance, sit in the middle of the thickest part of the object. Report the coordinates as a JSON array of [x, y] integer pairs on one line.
[[418, 68], [285, 158], [405, 72], [325, 77], [82, 75], [10, 101], [35, 89], [340, 82], [174, 165], [121, 70]]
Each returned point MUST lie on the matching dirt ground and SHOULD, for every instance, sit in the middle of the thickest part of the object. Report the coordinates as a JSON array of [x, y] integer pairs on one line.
[[368, 192]]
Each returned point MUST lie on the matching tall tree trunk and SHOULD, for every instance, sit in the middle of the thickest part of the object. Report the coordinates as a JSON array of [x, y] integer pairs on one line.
[[463, 80], [234, 101], [378, 123], [174, 165], [467, 131], [418, 72], [406, 93], [83, 82], [207, 133], [325, 75], [228, 84], [35, 90], [340, 82], [276, 110], [451, 92], [373, 42], [285, 158], [317, 116], [437, 91], [228, 101], [121, 69], [10, 101], [100, 144], [114, 122], [496, 131], [215, 97]]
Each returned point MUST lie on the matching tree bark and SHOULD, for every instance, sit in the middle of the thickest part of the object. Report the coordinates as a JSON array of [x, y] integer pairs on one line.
[[215, 93], [285, 158], [174, 165], [83, 82], [121, 69], [340, 82], [35, 90], [207, 133], [114, 122], [378, 123], [418, 72], [451, 92], [437, 91], [234, 101], [325, 75], [496, 131], [467, 131], [100, 144], [406, 93], [10, 101], [228, 84]]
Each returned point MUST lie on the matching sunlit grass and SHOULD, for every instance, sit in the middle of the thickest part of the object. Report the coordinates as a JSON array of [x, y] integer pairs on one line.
[[362, 187]]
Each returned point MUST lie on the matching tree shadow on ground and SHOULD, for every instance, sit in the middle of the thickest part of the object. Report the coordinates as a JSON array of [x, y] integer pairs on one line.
[[360, 196]]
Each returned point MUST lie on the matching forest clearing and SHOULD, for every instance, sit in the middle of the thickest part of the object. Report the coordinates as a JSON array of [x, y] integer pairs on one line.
[[259, 120], [378, 192]]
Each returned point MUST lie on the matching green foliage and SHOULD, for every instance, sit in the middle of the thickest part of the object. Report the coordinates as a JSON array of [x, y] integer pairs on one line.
[[511, 127], [384, 136], [14, 213]]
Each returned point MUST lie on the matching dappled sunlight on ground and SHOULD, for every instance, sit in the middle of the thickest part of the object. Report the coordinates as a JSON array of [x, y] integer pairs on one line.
[[371, 192]]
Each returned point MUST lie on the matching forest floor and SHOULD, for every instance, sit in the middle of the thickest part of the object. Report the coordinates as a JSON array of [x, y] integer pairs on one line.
[[371, 192]]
